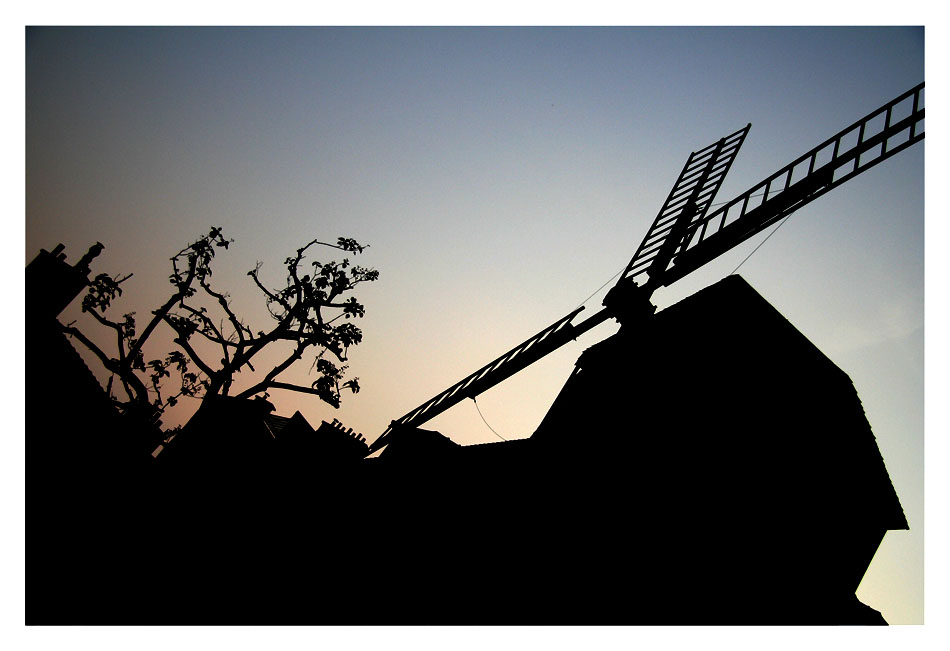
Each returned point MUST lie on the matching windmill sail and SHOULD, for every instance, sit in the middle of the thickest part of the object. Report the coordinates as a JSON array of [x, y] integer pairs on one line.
[[688, 201], [874, 138], [685, 235]]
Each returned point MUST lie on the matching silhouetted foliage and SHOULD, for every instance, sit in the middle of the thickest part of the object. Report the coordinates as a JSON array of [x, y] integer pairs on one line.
[[311, 311]]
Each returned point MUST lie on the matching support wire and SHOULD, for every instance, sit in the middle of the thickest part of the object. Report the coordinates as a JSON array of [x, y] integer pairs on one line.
[[781, 223], [486, 422]]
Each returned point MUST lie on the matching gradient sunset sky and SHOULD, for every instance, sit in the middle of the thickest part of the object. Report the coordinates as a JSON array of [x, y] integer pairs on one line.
[[500, 175]]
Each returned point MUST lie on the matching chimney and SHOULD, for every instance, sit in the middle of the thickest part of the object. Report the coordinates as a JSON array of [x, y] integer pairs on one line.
[[52, 284]]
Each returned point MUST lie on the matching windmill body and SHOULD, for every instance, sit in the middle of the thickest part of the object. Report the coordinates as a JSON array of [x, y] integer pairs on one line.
[[707, 447], [725, 474]]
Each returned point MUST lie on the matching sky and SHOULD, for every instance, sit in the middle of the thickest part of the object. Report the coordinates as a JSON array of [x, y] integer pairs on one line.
[[500, 177]]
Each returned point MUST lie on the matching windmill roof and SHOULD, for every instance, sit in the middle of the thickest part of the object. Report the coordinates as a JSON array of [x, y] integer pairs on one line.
[[721, 388]]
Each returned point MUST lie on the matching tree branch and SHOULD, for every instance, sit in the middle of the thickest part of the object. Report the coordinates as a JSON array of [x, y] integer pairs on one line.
[[223, 302], [280, 385], [162, 312], [277, 370], [106, 361], [274, 298], [137, 392], [182, 341]]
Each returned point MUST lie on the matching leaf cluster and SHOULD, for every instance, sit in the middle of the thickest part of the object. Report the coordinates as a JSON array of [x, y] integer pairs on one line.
[[314, 310]]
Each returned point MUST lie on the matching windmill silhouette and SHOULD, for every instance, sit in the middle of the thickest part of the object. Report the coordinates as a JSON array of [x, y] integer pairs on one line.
[[686, 235], [707, 456]]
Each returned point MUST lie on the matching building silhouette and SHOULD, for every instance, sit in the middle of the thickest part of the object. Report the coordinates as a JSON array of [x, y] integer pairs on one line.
[[711, 466]]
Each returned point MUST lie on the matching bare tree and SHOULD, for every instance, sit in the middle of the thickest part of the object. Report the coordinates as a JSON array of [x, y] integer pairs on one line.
[[312, 311]]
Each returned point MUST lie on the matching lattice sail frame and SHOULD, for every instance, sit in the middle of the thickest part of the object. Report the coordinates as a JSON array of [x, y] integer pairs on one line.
[[688, 202], [873, 139]]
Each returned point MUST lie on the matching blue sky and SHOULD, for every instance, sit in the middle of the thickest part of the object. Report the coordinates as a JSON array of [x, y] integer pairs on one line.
[[501, 176]]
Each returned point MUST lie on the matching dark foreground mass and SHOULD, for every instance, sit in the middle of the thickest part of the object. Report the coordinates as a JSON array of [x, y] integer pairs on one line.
[[712, 467]]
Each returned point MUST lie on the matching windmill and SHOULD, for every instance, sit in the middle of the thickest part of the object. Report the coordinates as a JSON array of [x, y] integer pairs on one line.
[[686, 234]]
